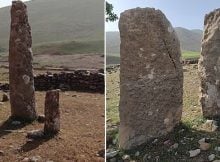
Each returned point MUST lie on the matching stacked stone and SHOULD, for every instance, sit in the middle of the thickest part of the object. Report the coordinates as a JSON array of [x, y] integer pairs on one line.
[[80, 80]]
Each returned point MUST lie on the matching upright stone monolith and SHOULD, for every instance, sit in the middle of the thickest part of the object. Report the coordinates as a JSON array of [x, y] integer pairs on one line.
[[151, 77], [209, 66], [52, 113], [22, 96]]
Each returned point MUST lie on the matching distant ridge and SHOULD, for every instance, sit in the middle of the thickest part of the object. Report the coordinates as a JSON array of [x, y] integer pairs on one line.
[[57, 21], [190, 40]]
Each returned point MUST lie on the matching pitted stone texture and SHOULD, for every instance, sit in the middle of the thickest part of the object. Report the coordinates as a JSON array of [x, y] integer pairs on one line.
[[52, 113], [21, 77], [151, 77], [209, 66]]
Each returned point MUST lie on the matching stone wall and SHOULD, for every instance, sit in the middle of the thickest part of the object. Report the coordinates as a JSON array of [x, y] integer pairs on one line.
[[79, 80]]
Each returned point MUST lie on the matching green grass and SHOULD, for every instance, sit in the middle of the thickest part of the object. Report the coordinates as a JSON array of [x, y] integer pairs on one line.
[[114, 58], [72, 47], [190, 55]]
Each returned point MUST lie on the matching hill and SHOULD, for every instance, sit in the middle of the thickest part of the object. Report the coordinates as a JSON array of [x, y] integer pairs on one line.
[[57, 21], [190, 41]]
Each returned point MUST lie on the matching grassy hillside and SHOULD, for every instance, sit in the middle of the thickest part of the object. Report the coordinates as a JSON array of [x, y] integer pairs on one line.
[[57, 21], [190, 41]]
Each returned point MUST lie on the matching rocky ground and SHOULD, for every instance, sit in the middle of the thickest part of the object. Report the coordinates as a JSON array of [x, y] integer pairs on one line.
[[195, 140], [81, 137]]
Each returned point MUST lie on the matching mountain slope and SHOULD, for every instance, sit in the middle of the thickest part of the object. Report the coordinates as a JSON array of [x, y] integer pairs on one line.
[[190, 40], [56, 21]]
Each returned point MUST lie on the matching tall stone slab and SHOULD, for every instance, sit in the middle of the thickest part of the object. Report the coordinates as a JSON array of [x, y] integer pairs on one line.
[[21, 77], [52, 113], [151, 77], [209, 66]]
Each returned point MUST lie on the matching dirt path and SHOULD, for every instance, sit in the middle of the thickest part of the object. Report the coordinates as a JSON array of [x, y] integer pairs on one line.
[[81, 136]]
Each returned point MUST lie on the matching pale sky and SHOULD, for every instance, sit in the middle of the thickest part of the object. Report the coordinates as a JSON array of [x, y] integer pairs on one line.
[[4, 3], [181, 13]]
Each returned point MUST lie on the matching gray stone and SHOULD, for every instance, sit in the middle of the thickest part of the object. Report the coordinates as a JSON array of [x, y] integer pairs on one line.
[[52, 113], [209, 66], [21, 78], [194, 153], [151, 77]]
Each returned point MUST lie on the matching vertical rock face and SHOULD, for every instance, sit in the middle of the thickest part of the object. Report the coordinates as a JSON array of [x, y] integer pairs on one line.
[[21, 78], [151, 77], [52, 113], [209, 66]]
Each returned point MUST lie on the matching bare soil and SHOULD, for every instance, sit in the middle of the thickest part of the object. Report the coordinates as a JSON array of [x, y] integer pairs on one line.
[[80, 139]]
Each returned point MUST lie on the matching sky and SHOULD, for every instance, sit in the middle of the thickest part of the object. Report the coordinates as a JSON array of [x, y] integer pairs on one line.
[[4, 3], [181, 13]]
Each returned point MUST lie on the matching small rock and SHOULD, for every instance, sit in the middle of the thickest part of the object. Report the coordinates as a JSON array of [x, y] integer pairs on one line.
[[126, 157], [217, 148], [167, 142], [35, 134], [1, 153], [137, 154], [194, 153], [5, 97], [113, 160], [216, 161], [210, 125], [174, 146], [41, 118], [112, 154], [35, 159], [26, 160], [211, 157], [204, 146], [155, 140], [15, 122]]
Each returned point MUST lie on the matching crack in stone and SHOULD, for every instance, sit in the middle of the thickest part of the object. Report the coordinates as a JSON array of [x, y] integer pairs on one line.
[[169, 54]]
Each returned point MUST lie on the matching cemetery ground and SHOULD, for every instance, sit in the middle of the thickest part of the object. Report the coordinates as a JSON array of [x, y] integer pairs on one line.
[[175, 146], [82, 115]]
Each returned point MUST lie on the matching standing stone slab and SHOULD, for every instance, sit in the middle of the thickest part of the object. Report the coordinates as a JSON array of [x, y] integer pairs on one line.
[[209, 66], [21, 77], [151, 77], [52, 113]]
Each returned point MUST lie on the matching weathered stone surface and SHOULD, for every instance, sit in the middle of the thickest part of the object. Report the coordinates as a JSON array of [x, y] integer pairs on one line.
[[151, 77], [209, 66], [22, 97], [52, 113]]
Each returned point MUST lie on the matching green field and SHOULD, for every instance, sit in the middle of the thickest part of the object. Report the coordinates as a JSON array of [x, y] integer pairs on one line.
[[114, 58], [72, 47]]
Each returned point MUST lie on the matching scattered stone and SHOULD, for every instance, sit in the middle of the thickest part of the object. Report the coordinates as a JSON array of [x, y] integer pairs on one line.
[[151, 77], [5, 97], [35, 159], [216, 161], [126, 157], [204, 146], [112, 154], [209, 66], [137, 154], [2, 153], [26, 160], [211, 157], [210, 125], [174, 146], [21, 77], [35, 134], [217, 148], [155, 141], [41, 118], [15, 123], [194, 153]]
